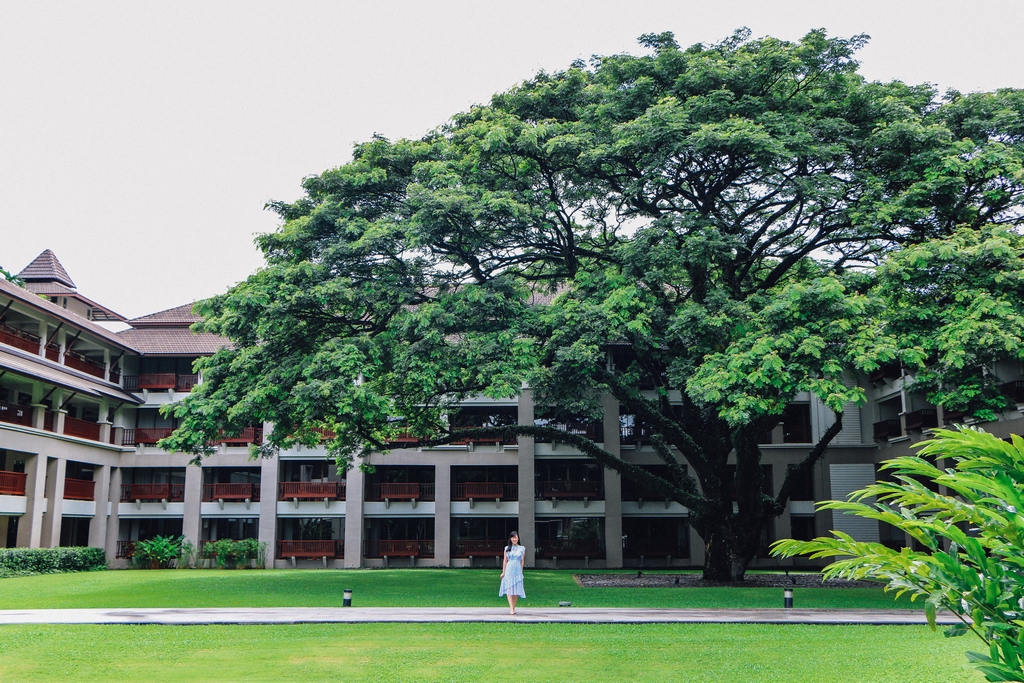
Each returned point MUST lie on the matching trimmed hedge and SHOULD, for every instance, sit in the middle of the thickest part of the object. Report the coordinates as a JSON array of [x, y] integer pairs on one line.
[[23, 561]]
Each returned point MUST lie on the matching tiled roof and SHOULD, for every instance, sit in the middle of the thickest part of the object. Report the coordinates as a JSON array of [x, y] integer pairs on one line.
[[46, 268], [173, 341], [179, 316], [26, 297], [49, 288]]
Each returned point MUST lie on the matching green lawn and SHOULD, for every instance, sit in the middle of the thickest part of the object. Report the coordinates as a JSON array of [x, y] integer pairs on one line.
[[385, 588], [659, 653]]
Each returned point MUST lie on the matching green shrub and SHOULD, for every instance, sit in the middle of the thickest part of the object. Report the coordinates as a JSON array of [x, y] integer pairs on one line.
[[158, 551], [967, 517], [23, 561], [228, 553]]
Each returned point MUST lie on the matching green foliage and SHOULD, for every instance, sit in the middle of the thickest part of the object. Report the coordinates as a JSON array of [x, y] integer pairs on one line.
[[695, 231], [962, 499], [158, 551], [229, 553], [11, 277], [24, 561]]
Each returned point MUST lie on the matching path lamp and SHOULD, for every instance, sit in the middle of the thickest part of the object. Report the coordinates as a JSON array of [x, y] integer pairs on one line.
[[347, 600], [787, 598]]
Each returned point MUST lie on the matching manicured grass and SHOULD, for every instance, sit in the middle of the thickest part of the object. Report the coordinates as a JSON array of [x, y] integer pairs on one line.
[[386, 588], [485, 652]]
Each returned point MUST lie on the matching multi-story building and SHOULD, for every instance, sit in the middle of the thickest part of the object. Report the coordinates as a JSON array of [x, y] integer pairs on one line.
[[80, 419]]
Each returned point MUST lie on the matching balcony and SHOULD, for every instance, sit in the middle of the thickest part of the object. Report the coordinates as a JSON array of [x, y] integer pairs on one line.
[[156, 381], [481, 439], [12, 483], [125, 550], [888, 429], [927, 418], [79, 489], [399, 548], [83, 429], [15, 414], [84, 364], [490, 490], [152, 492], [311, 490], [231, 492], [479, 548], [145, 435], [18, 339], [569, 547], [310, 549], [570, 490], [249, 435], [389, 491], [588, 430]]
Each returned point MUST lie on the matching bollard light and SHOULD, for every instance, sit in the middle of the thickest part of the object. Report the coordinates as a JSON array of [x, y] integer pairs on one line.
[[787, 598], [347, 601]]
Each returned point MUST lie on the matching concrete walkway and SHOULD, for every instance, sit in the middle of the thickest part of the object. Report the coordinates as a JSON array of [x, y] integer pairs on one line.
[[533, 615]]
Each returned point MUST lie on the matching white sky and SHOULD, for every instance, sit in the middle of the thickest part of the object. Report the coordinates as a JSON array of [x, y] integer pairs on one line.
[[140, 140]]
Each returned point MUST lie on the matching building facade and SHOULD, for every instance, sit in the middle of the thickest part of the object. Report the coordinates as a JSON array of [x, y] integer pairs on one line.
[[80, 419]]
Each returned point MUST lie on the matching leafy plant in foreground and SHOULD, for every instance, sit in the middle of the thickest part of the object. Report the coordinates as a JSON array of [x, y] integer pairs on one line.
[[966, 512], [158, 551]]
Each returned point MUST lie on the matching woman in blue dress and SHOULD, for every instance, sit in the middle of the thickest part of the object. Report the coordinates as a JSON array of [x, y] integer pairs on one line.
[[512, 572]]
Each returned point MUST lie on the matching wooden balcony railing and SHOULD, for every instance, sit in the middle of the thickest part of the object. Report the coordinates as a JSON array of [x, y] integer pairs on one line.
[[15, 413], [481, 439], [49, 420], [125, 550], [81, 428], [399, 548], [570, 490], [152, 492], [244, 491], [404, 439], [888, 429], [12, 483], [84, 364], [19, 339], [311, 490], [588, 430], [400, 491], [52, 352], [569, 547], [156, 380], [249, 435], [310, 549], [479, 548], [145, 435], [926, 418], [479, 490], [79, 489]]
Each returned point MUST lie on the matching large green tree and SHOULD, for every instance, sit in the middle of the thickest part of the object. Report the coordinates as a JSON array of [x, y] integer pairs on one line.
[[694, 231]]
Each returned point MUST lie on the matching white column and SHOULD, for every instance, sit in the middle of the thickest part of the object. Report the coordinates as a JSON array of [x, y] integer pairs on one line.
[[192, 522], [55, 471], [443, 514], [354, 518], [269, 470], [612, 485], [30, 527], [527, 506]]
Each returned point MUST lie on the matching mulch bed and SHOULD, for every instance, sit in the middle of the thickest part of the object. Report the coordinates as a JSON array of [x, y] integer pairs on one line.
[[646, 580]]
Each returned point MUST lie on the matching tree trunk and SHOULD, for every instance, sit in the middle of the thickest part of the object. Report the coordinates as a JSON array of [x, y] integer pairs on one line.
[[721, 562]]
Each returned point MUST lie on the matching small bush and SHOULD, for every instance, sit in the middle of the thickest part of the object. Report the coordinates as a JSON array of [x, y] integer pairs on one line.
[[158, 551], [228, 553], [25, 561]]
